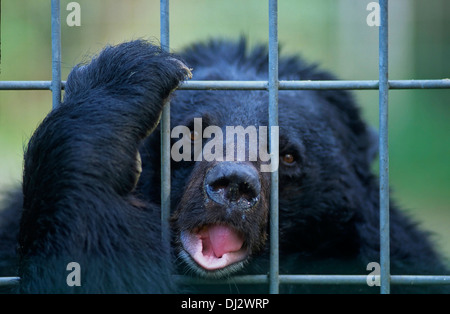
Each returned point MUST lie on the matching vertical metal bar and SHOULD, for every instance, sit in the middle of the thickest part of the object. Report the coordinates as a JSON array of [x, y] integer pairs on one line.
[[165, 135], [384, 149], [274, 143], [56, 53]]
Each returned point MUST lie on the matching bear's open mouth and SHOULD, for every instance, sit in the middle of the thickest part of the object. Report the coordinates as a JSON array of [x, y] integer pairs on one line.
[[215, 247]]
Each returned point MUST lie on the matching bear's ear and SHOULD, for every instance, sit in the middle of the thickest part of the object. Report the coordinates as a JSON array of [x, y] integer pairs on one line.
[[373, 144]]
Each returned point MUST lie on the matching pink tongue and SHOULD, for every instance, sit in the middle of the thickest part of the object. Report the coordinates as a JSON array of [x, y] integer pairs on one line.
[[224, 240]]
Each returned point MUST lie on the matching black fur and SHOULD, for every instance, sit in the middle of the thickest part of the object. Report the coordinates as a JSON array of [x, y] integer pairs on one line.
[[81, 202]]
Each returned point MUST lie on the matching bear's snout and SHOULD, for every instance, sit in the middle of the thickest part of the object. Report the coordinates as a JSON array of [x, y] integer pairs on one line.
[[233, 184]]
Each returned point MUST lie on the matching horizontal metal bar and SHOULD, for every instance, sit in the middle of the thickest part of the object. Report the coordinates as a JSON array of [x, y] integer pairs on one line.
[[262, 85], [323, 279], [419, 84], [244, 279], [294, 279], [25, 85], [304, 85], [420, 280], [9, 281], [316, 279], [224, 85]]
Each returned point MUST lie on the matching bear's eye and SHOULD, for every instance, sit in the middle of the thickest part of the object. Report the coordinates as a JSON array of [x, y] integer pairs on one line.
[[288, 159], [195, 136]]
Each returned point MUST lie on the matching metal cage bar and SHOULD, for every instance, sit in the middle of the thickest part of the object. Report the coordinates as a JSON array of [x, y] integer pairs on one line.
[[384, 148], [272, 85], [295, 279], [9, 281], [263, 85], [317, 279], [274, 146], [56, 53], [165, 135]]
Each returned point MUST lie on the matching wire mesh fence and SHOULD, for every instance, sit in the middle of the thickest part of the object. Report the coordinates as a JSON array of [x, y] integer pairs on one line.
[[272, 86]]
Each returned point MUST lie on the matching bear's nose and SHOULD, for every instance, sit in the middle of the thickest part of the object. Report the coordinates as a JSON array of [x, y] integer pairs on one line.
[[233, 184]]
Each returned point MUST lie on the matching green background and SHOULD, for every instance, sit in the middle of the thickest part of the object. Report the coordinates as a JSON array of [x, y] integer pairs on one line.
[[333, 33]]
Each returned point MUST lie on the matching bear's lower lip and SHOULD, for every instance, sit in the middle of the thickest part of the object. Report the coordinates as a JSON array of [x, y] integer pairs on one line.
[[214, 247]]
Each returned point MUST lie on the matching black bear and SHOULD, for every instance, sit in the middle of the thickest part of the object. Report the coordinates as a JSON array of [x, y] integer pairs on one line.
[[91, 183]]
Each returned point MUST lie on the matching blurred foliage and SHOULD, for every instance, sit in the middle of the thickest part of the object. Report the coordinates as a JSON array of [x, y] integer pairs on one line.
[[333, 33]]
